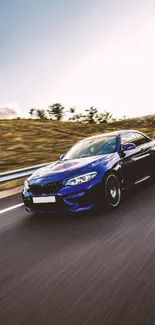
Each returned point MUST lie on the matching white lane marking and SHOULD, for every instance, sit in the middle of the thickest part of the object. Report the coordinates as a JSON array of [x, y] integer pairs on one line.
[[11, 208]]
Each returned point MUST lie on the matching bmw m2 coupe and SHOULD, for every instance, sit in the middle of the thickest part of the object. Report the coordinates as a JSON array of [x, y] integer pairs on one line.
[[93, 172]]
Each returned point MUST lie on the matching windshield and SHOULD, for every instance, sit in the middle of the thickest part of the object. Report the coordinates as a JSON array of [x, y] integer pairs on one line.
[[92, 147]]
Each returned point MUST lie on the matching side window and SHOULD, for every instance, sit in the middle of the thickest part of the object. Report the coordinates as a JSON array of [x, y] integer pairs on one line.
[[128, 137], [141, 139]]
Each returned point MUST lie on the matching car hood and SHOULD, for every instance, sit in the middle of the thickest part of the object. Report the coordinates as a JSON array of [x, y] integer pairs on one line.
[[64, 169]]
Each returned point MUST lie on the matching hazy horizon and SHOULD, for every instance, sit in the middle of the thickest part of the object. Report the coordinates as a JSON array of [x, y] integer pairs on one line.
[[81, 54]]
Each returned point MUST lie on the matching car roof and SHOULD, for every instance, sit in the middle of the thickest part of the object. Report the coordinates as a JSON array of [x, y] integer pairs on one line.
[[114, 133]]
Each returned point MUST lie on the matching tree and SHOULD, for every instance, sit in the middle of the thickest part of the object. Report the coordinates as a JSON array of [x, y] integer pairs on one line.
[[72, 110], [71, 113], [104, 117], [41, 114], [92, 114], [80, 118], [31, 112], [56, 111]]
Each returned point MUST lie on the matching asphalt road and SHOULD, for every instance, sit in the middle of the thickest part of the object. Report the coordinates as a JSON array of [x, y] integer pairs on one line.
[[79, 269]]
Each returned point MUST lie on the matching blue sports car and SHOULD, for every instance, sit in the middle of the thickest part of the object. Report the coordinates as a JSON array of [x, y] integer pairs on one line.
[[92, 173]]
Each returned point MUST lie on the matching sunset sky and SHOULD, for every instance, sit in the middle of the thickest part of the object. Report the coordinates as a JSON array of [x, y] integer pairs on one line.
[[80, 53]]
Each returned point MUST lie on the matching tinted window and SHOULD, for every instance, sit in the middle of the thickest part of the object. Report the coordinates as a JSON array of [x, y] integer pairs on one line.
[[137, 138], [141, 139], [128, 137]]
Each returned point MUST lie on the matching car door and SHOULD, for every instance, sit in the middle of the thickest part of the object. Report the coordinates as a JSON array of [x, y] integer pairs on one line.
[[145, 144], [131, 160]]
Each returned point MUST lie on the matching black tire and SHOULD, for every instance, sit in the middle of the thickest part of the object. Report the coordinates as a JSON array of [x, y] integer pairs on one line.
[[112, 189]]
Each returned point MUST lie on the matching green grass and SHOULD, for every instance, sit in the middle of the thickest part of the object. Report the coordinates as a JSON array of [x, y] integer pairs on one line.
[[30, 142]]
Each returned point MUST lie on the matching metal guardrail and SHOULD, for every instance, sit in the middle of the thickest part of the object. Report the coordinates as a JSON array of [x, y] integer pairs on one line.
[[19, 173]]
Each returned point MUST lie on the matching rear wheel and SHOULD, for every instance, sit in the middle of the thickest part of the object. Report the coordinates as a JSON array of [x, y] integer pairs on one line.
[[112, 190]]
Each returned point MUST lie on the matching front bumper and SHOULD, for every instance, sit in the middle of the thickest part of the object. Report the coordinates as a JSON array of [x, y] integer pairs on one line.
[[82, 197]]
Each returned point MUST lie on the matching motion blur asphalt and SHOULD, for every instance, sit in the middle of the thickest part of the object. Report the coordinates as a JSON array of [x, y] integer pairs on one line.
[[79, 269]]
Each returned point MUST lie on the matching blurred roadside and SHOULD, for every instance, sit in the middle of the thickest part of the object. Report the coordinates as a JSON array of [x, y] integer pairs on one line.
[[12, 184]]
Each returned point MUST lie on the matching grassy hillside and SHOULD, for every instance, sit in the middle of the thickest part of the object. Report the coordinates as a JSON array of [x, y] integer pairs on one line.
[[28, 142]]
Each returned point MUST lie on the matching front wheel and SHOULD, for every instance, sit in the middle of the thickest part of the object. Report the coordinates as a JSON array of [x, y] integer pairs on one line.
[[112, 190]]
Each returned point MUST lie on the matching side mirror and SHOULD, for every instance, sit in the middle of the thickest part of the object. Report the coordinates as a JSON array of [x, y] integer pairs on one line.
[[61, 157], [128, 146]]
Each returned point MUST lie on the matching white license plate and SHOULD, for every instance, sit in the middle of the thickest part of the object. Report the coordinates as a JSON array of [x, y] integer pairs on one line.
[[44, 199]]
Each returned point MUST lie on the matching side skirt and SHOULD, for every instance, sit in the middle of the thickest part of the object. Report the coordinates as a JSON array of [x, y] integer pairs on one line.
[[143, 179]]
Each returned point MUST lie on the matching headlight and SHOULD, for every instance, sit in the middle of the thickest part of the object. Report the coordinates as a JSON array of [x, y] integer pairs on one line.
[[81, 179], [26, 185]]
